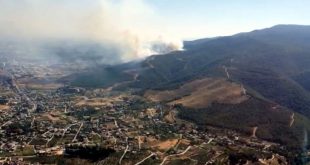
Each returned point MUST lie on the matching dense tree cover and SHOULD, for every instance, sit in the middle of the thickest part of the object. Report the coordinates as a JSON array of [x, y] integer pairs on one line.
[[99, 77], [273, 124], [93, 153], [304, 80]]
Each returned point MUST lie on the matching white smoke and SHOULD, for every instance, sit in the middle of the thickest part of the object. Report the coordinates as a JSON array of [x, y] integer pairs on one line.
[[130, 25]]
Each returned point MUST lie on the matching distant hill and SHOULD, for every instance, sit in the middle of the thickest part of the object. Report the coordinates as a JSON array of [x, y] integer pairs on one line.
[[272, 64], [271, 61]]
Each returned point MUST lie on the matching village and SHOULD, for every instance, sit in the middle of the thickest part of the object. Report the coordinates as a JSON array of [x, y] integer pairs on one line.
[[41, 121]]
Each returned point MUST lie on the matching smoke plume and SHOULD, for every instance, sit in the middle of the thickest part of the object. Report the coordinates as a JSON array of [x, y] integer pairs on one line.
[[123, 29]]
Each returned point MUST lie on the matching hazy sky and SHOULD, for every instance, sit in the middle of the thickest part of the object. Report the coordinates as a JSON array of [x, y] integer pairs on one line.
[[143, 27], [199, 18], [180, 18]]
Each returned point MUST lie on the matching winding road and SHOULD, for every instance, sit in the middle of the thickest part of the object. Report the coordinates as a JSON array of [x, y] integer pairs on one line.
[[254, 132], [74, 139], [50, 139], [65, 130], [152, 154], [243, 90], [126, 150], [182, 153], [32, 122], [292, 119], [226, 71]]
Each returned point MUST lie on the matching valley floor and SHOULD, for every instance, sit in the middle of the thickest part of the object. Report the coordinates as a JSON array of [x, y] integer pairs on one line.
[[58, 124]]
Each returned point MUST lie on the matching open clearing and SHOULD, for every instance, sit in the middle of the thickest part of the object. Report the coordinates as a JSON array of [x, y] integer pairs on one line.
[[4, 107], [201, 93], [165, 145], [93, 102], [38, 83], [51, 117], [38, 86]]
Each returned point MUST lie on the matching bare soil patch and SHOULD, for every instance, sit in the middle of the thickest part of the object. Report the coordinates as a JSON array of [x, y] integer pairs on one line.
[[201, 93]]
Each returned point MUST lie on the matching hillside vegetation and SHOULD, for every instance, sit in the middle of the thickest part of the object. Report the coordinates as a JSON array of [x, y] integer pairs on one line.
[[205, 81]]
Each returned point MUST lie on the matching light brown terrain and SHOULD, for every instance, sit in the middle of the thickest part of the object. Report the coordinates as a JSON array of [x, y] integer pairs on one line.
[[93, 102], [200, 93], [38, 86], [51, 117], [165, 145], [4, 107], [170, 117]]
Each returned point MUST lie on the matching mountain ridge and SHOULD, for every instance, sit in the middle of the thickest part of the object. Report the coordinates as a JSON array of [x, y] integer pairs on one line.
[[270, 63]]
